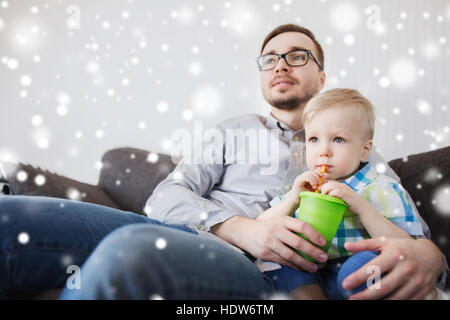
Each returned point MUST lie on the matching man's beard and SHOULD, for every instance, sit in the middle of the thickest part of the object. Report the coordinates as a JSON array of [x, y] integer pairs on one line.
[[291, 103]]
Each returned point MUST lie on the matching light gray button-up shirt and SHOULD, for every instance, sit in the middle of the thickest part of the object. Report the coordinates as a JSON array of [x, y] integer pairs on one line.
[[237, 182], [238, 176]]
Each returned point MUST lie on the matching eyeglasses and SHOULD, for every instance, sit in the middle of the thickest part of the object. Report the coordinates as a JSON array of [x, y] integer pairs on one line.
[[294, 58]]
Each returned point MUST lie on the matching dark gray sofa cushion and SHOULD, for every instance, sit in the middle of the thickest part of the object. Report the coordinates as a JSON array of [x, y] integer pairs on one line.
[[423, 175], [55, 185], [129, 178]]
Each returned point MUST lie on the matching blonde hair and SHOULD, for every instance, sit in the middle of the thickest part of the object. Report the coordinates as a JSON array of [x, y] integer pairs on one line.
[[341, 97]]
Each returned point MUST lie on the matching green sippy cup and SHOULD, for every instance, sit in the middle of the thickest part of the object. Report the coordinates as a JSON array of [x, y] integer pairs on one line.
[[324, 213]]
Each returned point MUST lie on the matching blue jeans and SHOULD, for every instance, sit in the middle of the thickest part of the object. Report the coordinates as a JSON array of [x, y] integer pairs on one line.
[[329, 278], [122, 255]]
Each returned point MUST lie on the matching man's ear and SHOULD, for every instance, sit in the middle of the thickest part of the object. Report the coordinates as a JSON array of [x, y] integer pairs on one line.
[[367, 147], [321, 81]]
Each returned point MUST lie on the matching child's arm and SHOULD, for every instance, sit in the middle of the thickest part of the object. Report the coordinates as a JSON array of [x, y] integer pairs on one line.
[[306, 181], [375, 223], [286, 207]]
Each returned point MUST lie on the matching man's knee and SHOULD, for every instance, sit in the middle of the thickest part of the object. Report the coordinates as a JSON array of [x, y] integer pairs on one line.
[[7, 203], [137, 245]]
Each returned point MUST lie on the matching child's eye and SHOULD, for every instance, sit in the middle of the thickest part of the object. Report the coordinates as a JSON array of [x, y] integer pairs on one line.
[[339, 140], [313, 139]]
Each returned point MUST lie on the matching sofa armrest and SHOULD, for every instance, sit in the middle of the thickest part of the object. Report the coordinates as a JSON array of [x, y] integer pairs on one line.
[[129, 178], [21, 179]]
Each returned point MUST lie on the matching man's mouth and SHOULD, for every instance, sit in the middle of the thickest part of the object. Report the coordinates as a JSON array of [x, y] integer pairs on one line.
[[282, 83]]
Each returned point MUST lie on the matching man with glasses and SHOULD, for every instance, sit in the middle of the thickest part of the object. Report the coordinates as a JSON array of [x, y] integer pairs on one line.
[[220, 201], [207, 252]]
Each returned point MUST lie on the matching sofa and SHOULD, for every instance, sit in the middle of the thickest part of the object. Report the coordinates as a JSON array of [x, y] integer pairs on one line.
[[128, 177]]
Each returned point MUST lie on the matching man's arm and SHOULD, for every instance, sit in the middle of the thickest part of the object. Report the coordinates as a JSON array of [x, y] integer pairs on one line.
[[180, 198]]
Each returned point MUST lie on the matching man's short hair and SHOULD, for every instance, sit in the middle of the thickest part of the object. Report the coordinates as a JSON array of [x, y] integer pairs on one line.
[[296, 28], [338, 98]]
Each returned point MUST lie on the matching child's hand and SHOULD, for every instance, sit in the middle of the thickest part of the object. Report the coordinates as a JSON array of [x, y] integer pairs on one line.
[[307, 181], [344, 192]]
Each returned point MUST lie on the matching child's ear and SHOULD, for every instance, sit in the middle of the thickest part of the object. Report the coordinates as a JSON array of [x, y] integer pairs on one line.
[[367, 147]]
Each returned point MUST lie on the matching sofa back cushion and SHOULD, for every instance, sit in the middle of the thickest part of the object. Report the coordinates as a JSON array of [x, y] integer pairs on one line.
[[129, 176], [426, 176]]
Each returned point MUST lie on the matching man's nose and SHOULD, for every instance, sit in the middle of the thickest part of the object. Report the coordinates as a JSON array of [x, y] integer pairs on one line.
[[282, 65]]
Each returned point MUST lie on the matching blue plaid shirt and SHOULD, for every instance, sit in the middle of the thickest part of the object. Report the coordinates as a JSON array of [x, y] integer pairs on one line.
[[385, 194]]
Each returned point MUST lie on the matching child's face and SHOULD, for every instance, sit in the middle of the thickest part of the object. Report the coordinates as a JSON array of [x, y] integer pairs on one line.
[[336, 138]]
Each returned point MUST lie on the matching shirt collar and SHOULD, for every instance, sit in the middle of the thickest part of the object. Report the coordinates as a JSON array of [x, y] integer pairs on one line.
[[276, 124], [362, 178]]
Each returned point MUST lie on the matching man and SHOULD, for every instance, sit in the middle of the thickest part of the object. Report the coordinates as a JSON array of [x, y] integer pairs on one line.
[[145, 258], [222, 199]]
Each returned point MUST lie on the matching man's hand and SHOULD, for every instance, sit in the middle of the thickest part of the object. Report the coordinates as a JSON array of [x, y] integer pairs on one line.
[[411, 266], [273, 239]]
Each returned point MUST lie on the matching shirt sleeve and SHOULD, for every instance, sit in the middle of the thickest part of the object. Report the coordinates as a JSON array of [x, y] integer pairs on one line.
[[393, 202], [181, 198], [277, 200], [376, 159], [280, 198]]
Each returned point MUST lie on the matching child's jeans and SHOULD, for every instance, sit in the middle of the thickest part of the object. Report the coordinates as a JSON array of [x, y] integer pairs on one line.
[[329, 278]]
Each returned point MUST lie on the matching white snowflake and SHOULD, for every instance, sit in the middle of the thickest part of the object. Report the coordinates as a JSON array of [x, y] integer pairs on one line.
[[66, 260], [441, 199], [36, 120], [424, 107], [431, 50], [62, 110], [99, 133], [160, 243], [380, 168], [344, 17], [39, 180], [206, 101], [73, 194], [23, 238], [384, 82], [12, 64], [162, 107], [152, 157], [41, 136], [403, 72], [22, 176], [195, 68], [187, 115]]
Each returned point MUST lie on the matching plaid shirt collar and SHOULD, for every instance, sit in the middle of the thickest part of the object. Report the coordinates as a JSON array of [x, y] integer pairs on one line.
[[362, 178]]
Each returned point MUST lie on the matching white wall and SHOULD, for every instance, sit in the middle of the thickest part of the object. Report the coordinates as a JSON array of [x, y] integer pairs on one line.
[[99, 86]]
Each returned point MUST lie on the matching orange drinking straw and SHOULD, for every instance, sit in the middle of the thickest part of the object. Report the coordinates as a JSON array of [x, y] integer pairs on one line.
[[322, 170]]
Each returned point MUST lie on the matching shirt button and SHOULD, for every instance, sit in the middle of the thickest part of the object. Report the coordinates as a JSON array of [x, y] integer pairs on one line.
[[296, 138], [288, 187], [201, 227], [296, 154]]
